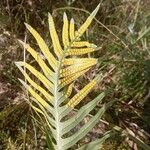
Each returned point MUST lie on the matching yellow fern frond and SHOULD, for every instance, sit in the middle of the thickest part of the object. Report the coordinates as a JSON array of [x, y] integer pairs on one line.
[[46, 116], [36, 86], [47, 71], [72, 30], [36, 96], [83, 44], [72, 61], [44, 48], [55, 40], [65, 81], [82, 93], [65, 35], [39, 75], [86, 24], [75, 69], [80, 51], [79, 96], [69, 90]]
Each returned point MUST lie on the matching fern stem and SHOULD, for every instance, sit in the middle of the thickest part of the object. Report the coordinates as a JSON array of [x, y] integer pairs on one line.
[[56, 107]]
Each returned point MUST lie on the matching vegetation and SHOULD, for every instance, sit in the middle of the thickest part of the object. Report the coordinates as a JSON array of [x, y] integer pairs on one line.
[[121, 32]]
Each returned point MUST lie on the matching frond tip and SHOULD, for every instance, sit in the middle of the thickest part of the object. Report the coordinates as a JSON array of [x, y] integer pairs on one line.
[[55, 40], [72, 29], [86, 24], [65, 36]]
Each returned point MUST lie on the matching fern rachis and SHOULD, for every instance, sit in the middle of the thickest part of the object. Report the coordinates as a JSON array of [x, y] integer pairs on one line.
[[52, 100]]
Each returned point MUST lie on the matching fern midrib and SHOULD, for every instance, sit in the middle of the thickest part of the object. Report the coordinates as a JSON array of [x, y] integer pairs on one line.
[[56, 108], [56, 105], [56, 102]]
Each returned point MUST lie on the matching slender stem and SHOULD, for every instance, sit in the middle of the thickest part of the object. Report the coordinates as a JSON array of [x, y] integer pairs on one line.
[[56, 107]]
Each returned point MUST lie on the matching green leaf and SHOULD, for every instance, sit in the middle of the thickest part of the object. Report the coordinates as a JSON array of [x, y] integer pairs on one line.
[[70, 141], [85, 110], [96, 145]]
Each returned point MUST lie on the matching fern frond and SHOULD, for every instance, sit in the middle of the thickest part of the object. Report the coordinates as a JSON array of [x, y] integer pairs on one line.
[[68, 71], [74, 52], [85, 110], [86, 24], [72, 61], [37, 97], [44, 48], [55, 40], [36, 73], [46, 114], [48, 72], [72, 30], [69, 90], [35, 85], [54, 99], [65, 35], [81, 95], [83, 44], [65, 81], [97, 144], [70, 141]]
